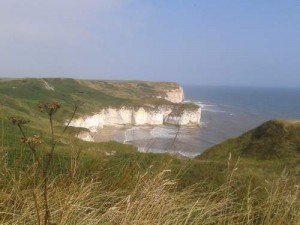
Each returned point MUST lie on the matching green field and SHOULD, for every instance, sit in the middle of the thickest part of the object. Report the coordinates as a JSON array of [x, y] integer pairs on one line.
[[252, 179]]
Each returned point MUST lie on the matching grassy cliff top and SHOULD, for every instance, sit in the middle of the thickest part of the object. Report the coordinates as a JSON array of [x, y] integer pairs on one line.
[[275, 139], [22, 95], [99, 92]]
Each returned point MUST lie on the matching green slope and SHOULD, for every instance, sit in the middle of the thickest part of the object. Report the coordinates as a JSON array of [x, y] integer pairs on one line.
[[276, 139], [26, 93]]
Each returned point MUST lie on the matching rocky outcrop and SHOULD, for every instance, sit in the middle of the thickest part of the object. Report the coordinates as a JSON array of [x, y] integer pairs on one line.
[[175, 95], [186, 118], [175, 114]]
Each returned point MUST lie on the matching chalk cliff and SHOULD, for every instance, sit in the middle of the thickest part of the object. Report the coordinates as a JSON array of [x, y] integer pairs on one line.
[[175, 115], [175, 95], [173, 112]]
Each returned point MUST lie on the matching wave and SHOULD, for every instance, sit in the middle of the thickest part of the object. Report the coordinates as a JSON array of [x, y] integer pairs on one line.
[[206, 107], [203, 124], [209, 107], [138, 133], [188, 154], [148, 133], [163, 132], [174, 152], [129, 134]]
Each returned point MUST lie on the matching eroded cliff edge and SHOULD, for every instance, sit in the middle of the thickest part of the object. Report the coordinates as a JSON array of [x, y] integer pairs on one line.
[[172, 111]]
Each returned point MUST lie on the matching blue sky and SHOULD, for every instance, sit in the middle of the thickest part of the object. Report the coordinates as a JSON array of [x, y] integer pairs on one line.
[[228, 42]]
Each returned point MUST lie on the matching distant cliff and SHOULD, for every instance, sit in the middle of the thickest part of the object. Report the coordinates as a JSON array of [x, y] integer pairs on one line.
[[106, 103], [171, 111], [175, 115]]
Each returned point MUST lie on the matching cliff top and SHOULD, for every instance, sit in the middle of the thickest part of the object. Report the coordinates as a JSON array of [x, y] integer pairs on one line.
[[94, 93]]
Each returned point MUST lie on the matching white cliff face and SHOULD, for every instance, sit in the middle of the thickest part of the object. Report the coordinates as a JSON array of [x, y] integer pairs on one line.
[[140, 116], [112, 117], [175, 96], [188, 117]]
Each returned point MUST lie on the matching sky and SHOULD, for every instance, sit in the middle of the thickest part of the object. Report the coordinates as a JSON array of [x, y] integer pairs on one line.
[[202, 42]]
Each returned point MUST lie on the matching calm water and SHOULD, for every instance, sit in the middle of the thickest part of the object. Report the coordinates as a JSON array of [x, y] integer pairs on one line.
[[230, 111], [226, 112]]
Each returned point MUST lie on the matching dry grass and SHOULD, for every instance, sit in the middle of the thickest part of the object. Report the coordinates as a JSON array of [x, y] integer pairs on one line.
[[153, 200]]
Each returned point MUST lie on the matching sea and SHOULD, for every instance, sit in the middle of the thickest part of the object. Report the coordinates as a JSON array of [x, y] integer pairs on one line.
[[227, 112]]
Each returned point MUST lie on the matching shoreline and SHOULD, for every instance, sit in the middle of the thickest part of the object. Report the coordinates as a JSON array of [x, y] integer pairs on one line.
[[170, 139]]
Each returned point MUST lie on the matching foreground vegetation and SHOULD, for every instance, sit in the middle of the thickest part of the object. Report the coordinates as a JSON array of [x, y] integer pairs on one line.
[[151, 199], [88, 186], [253, 179]]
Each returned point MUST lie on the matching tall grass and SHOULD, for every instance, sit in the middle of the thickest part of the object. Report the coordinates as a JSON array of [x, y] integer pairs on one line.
[[120, 190], [154, 199]]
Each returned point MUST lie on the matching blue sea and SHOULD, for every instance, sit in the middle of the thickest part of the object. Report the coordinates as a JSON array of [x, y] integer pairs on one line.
[[230, 111], [226, 112]]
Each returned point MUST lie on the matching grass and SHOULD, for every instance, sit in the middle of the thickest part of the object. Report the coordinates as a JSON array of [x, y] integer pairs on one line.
[[20, 92], [140, 189], [89, 185], [276, 139]]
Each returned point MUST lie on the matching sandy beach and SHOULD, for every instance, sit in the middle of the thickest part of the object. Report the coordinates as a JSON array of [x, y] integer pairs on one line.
[[110, 134], [159, 139]]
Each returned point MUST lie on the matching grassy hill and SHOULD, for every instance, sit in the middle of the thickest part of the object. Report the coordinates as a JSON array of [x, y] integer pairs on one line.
[[24, 94], [277, 139]]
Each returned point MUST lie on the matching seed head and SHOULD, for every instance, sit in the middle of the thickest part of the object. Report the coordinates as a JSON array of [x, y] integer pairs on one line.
[[18, 122], [35, 139], [50, 108]]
